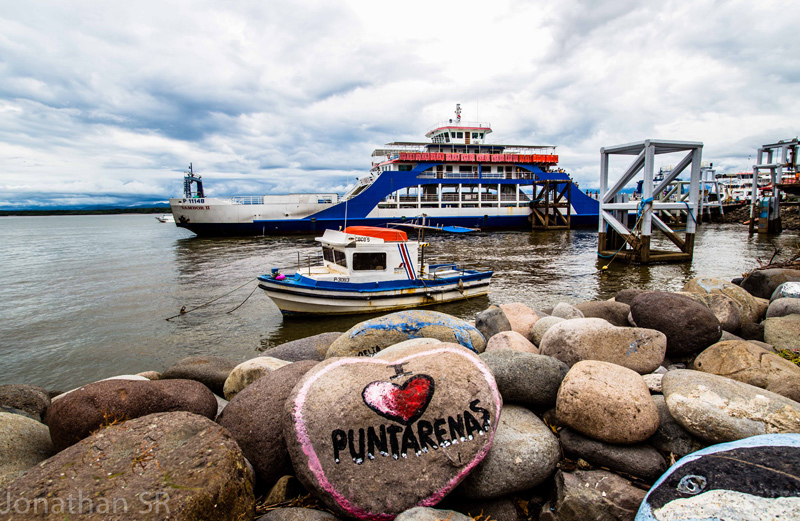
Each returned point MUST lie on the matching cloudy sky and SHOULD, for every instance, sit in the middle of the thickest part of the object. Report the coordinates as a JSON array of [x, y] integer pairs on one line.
[[108, 102]]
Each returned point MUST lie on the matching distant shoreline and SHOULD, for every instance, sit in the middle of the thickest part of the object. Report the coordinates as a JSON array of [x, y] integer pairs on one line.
[[105, 211]]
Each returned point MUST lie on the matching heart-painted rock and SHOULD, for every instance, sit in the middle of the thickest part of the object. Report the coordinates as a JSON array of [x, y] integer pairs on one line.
[[420, 421]]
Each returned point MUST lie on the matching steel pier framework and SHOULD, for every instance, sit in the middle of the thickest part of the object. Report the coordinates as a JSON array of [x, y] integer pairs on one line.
[[613, 229]]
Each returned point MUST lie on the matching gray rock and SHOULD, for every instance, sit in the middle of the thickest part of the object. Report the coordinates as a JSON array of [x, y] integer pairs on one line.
[[566, 311], [492, 321], [184, 465], [297, 514], [595, 339], [431, 514], [653, 381], [671, 437], [595, 494], [763, 283], [526, 378], [211, 371], [749, 307], [310, 348], [786, 290], [642, 461], [782, 332], [108, 402], [29, 398], [615, 313], [718, 409], [24, 442], [524, 454], [782, 307], [689, 326], [542, 326], [371, 336], [606, 402], [727, 310], [252, 416], [248, 372]]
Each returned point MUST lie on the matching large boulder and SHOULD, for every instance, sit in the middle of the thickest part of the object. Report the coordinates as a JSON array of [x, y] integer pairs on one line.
[[248, 372], [763, 283], [28, 398], [718, 409], [297, 514], [309, 348], [252, 417], [211, 371], [783, 332], [615, 313], [749, 307], [492, 321], [371, 336], [641, 460], [746, 362], [606, 402], [592, 494], [24, 442], [689, 326], [595, 339], [420, 422], [524, 454], [521, 317], [174, 465], [108, 402], [526, 378]]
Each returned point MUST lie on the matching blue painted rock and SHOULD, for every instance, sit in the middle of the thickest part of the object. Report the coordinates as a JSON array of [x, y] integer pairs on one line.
[[420, 422], [371, 336], [786, 290], [753, 479]]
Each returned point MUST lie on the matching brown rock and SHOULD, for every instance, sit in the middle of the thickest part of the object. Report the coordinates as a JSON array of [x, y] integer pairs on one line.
[[162, 466], [252, 417], [310, 348], [29, 398], [84, 410], [211, 371], [615, 313], [420, 422], [511, 340], [607, 402], [592, 494], [248, 372], [521, 317], [745, 362]]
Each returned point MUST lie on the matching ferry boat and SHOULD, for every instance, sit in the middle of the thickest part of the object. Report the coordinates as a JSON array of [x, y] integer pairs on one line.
[[368, 269], [456, 179]]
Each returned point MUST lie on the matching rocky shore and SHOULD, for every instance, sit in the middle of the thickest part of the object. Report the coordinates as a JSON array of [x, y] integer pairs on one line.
[[650, 406]]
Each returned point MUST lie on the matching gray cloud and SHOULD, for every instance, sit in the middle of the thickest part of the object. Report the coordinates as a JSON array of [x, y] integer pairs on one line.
[[110, 102]]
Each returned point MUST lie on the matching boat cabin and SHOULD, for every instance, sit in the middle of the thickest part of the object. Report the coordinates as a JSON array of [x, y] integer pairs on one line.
[[367, 254]]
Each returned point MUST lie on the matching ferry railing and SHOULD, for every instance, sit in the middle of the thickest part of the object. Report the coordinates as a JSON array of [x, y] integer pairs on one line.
[[457, 123]]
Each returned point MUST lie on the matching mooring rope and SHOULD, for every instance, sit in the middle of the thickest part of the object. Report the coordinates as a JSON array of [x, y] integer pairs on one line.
[[185, 311]]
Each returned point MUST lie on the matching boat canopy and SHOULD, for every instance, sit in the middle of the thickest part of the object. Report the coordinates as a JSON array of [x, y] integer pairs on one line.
[[387, 234]]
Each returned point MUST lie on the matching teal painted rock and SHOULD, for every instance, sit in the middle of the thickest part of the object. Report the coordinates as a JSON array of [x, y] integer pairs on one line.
[[372, 336], [755, 478]]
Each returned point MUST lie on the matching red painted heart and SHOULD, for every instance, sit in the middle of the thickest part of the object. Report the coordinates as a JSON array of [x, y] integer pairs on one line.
[[401, 403]]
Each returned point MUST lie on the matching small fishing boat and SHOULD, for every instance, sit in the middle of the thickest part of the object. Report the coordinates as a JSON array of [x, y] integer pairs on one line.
[[165, 218], [367, 269]]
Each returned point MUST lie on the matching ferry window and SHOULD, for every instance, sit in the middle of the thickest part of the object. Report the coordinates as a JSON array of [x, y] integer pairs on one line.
[[453, 135], [481, 135], [463, 168], [334, 256], [369, 261], [461, 135], [449, 168], [474, 135], [405, 168]]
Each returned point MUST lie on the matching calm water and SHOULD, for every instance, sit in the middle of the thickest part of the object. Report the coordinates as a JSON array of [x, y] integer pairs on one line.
[[86, 297]]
